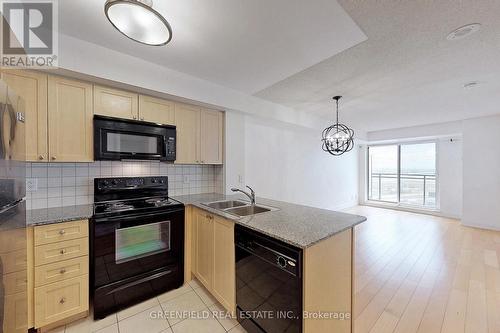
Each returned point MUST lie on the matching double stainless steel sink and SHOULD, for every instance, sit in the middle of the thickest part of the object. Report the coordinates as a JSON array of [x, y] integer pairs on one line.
[[239, 208]]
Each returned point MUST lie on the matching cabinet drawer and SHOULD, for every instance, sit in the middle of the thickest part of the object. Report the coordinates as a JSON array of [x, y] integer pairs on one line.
[[60, 232], [61, 270], [15, 282], [14, 261], [57, 301], [49, 253]]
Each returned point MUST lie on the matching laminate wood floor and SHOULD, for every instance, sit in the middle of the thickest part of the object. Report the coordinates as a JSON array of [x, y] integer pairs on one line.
[[424, 274]]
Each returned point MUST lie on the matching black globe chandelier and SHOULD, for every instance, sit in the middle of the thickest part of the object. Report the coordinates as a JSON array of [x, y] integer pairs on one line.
[[338, 138]]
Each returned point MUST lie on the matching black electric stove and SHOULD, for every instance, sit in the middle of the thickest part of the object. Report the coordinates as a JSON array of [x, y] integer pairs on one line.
[[137, 242]]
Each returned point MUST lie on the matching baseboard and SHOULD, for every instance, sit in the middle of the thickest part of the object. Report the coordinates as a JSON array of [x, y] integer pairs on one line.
[[481, 226], [410, 210]]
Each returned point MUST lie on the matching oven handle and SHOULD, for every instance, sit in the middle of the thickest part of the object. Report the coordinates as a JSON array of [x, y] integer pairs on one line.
[[134, 283], [132, 217]]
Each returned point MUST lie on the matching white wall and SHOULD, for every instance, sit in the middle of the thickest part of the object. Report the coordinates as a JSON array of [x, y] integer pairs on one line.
[[286, 162], [234, 151], [481, 173], [450, 160]]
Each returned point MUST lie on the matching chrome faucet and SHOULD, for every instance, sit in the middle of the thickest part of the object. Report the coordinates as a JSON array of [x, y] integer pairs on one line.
[[251, 195]]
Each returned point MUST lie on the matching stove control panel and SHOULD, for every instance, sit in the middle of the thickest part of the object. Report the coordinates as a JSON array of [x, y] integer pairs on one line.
[[126, 183]]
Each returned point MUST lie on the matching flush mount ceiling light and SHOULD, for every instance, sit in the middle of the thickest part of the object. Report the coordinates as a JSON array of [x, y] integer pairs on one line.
[[137, 20], [464, 31], [470, 85], [338, 138]]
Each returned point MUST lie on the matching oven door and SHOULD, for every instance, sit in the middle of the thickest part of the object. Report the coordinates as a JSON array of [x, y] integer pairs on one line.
[[125, 247]]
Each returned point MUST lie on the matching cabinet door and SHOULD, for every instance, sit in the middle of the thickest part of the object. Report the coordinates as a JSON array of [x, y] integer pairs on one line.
[[204, 248], [211, 137], [156, 110], [70, 120], [115, 103], [15, 316], [224, 285], [58, 301], [32, 88], [187, 120]]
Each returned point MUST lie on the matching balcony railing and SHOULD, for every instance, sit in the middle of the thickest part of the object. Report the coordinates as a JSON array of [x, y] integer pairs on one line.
[[415, 189]]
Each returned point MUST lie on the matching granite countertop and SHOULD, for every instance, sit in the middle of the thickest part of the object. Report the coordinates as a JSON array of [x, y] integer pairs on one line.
[[298, 225], [58, 214]]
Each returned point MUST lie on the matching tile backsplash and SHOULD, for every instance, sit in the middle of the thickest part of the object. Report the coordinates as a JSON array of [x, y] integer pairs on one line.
[[67, 184]]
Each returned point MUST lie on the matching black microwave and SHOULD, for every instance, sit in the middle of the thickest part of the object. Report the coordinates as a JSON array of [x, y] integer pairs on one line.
[[119, 139]]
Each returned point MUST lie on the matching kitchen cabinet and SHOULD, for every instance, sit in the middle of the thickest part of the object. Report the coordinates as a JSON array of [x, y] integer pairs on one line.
[[199, 135], [156, 110], [32, 88], [115, 103], [70, 120], [214, 262], [224, 263], [13, 274], [211, 132], [58, 280], [187, 120], [204, 247]]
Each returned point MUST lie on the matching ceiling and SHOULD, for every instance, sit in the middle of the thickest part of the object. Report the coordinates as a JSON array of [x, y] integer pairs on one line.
[[240, 44], [406, 73]]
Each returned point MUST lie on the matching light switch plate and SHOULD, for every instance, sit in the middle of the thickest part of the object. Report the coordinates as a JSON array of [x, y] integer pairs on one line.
[[31, 184]]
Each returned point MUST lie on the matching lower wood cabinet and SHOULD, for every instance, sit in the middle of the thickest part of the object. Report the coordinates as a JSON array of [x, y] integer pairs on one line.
[[57, 301], [214, 262], [58, 282]]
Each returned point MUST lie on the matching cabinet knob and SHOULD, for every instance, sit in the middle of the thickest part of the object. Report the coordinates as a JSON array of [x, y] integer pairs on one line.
[[62, 232], [142, 118], [63, 251], [134, 117], [62, 300], [53, 158], [40, 157], [62, 271]]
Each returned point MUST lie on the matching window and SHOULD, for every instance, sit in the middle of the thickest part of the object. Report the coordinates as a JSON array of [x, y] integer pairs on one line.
[[404, 174]]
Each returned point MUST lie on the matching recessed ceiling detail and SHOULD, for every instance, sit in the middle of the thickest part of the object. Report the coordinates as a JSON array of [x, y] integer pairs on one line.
[[244, 45]]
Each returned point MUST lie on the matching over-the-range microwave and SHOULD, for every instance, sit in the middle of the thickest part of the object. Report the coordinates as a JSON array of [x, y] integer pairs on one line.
[[119, 139]]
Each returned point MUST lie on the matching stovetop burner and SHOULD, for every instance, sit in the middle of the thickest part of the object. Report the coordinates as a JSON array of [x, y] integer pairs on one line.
[[159, 202]]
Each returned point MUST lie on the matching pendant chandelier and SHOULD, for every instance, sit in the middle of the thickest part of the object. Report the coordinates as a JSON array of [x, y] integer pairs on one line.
[[338, 138]]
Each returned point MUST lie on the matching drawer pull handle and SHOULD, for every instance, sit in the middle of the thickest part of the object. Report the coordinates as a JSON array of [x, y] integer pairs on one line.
[[62, 300], [62, 232], [63, 251], [62, 271]]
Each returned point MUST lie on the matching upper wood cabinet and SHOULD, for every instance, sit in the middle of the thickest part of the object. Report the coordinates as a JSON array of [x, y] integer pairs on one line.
[[211, 135], [70, 120], [156, 110], [199, 135], [32, 88], [187, 120], [115, 103]]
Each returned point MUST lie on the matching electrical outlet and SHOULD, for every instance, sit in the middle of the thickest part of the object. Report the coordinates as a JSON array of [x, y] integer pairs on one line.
[[185, 179], [31, 184]]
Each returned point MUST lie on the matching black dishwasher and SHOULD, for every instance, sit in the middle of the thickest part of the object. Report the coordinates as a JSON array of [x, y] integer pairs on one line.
[[268, 283]]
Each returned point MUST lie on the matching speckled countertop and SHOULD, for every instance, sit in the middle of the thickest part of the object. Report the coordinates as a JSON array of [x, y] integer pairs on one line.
[[298, 225], [58, 214]]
